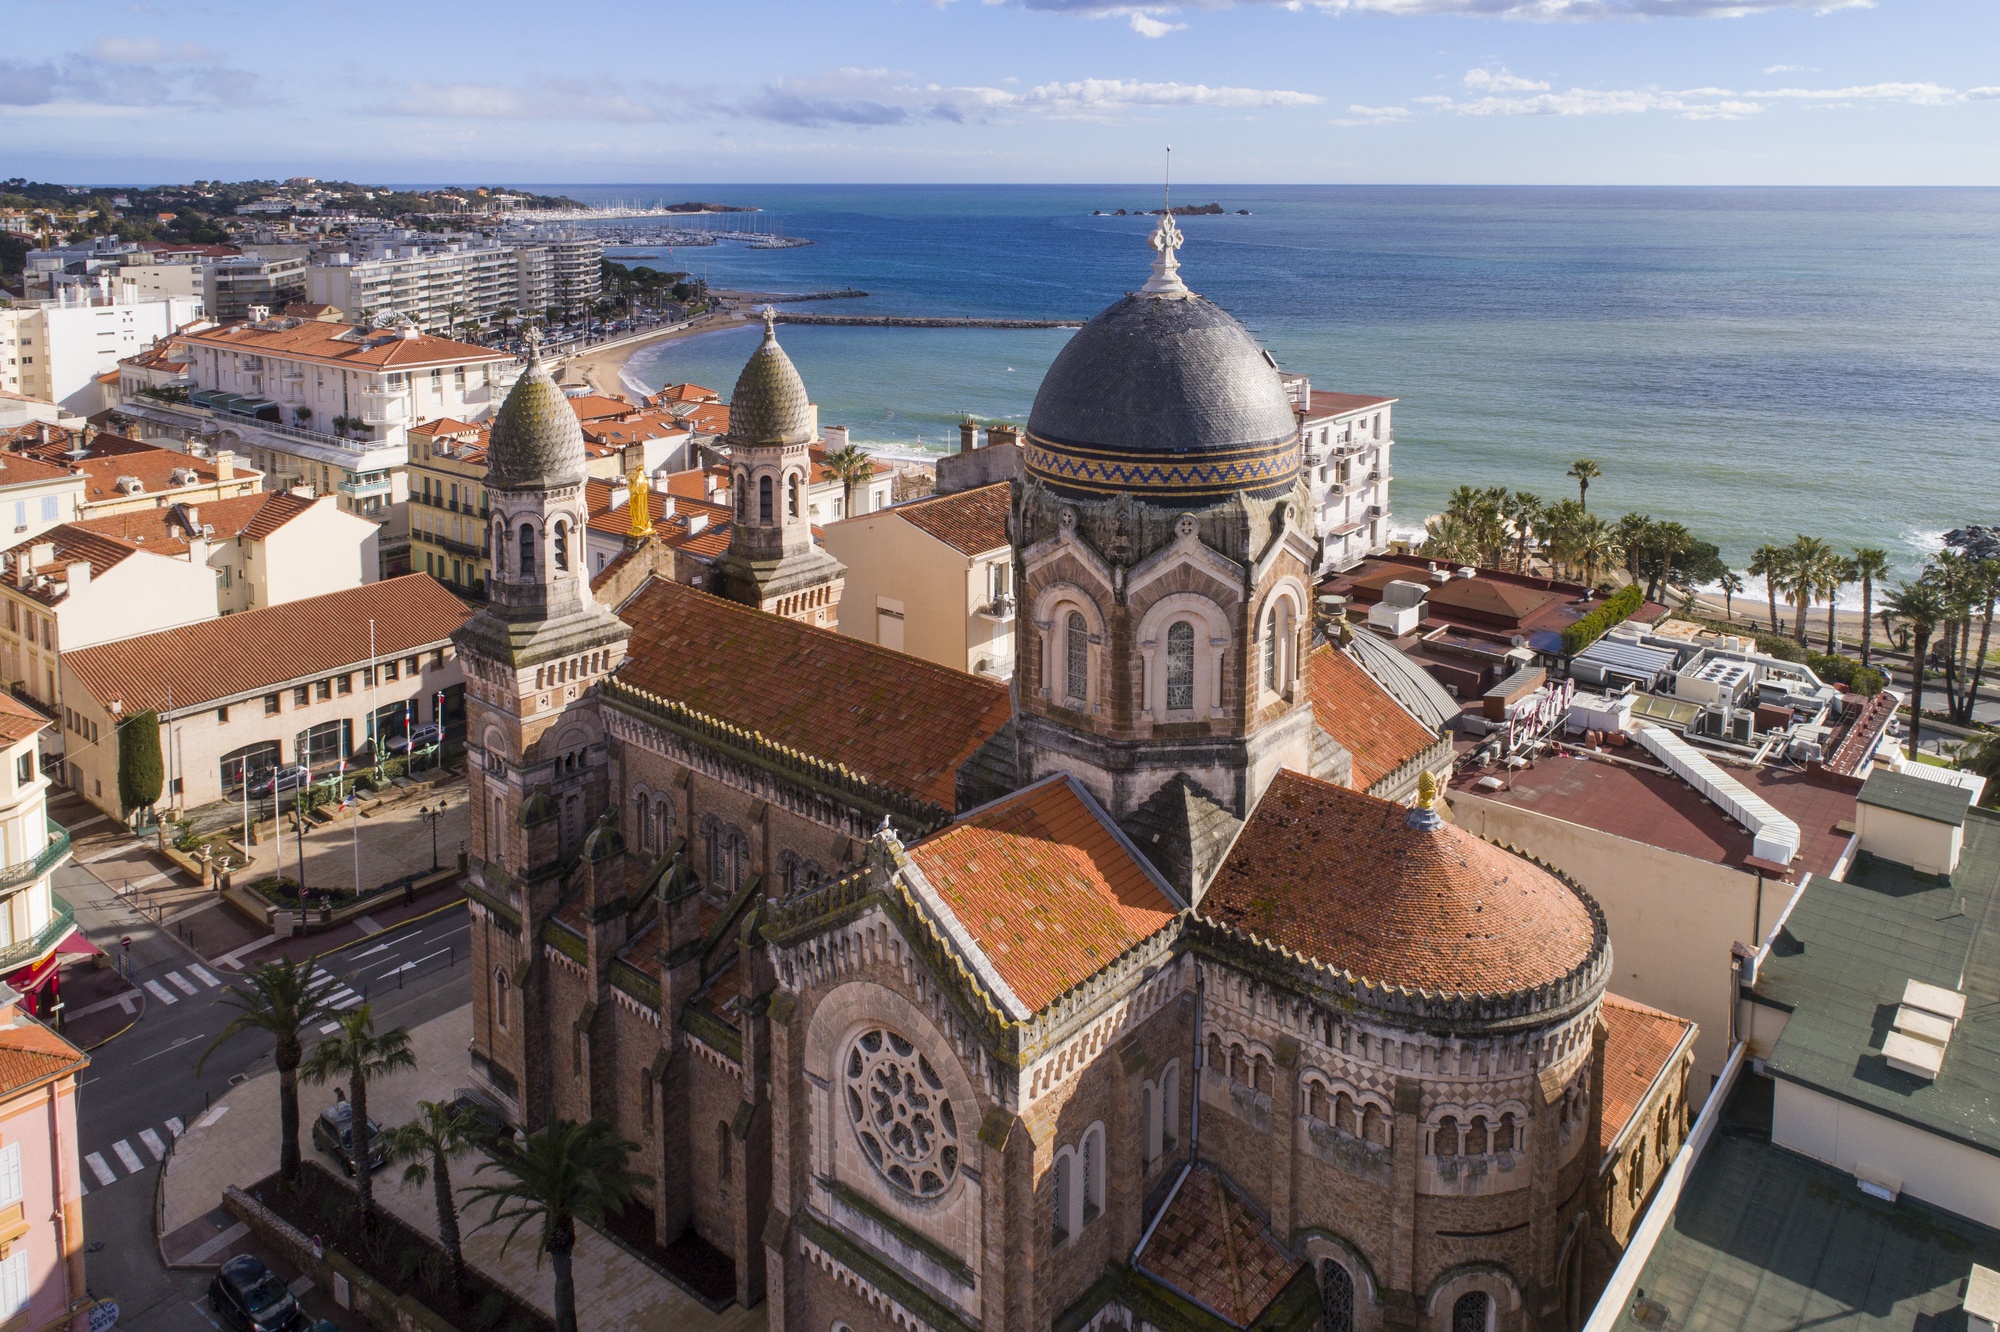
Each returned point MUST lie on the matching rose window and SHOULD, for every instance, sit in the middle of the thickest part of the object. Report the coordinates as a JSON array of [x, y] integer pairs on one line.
[[902, 1116]]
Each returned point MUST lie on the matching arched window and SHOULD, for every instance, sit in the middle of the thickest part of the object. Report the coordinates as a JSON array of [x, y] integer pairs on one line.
[[740, 483], [642, 825], [562, 546], [527, 550], [1180, 666], [1470, 1313], [1093, 1173], [500, 998], [499, 547], [1271, 650], [1064, 1190], [496, 833], [1149, 1103], [1076, 659], [1506, 1141], [1170, 1106], [1336, 1297], [763, 499], [794, 489], [1476, 1137], [1447, 1137]]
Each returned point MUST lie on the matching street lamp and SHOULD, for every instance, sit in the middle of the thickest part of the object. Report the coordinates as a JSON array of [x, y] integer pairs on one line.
[[431, 816]]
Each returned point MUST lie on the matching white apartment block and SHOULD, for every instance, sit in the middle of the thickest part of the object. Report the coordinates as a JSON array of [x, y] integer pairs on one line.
[[439, 287], [1345, 439], [329, 406], [55, 350]]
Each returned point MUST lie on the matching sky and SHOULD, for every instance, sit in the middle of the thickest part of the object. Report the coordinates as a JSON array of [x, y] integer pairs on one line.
[[1666, 92]]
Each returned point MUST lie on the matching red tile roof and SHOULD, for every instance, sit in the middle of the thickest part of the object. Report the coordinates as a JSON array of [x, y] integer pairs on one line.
[[1050, 892], [343, 345], [971, 522], [821, 475], [31, 1054], [255, 650], [899, 720], [1212, 1246], [111, 457], [1639, 1043], [1491, 600], [167, 529], [599, 407], [1339, 404], [1343, 878], [73, 544], [21, 469], [1655, 809], [1369, 723], [686, 393], [18, 721]]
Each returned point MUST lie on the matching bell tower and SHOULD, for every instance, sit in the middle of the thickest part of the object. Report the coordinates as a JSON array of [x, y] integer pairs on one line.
[[773, 562], [536, 761]]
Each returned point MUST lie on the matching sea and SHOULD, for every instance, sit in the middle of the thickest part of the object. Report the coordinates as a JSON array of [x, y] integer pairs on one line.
[[1754, 363]]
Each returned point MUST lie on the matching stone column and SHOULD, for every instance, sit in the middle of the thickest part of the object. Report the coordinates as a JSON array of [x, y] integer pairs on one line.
[[1399, 1300]]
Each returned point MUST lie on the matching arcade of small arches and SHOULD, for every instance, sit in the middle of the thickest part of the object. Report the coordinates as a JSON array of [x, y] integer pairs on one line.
[[580, 667], [799, 602], [767, 489], [528, 548]]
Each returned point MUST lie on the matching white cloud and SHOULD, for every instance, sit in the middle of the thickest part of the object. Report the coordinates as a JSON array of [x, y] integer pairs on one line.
[[1539, 11], [1499, 80], [493, 101], [149, 51], [1783, 69], [1918, 94], [878, 97], [127, 76], [1373, 115], [1148, 26], [1982, 94], [1695, 103]]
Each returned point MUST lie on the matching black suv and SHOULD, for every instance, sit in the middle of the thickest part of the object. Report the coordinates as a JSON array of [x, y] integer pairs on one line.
[[333, 1132], [250, 1297]]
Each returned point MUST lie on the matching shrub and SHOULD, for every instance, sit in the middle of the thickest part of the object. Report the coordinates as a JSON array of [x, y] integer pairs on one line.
[[1846, 671], [1616, 609], [141, 773]]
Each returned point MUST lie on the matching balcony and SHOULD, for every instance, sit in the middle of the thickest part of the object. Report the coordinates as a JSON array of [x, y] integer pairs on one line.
[[385, 412], [1000, 610], [27, 871], [363, 487], [61, 921]]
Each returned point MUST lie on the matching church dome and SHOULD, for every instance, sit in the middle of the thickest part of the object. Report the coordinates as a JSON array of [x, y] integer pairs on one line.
[[1402, 899], [769, 406], [537, 439], [1166, 397]]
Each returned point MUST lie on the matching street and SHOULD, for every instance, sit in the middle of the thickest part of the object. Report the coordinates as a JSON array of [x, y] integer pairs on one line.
[[143, 1089]]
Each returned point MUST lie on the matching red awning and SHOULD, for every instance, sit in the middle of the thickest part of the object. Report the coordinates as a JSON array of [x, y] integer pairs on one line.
[[76, 943], [29, 979]]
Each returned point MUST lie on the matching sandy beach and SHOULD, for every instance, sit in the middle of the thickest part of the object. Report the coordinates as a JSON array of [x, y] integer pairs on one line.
[[601, 367]]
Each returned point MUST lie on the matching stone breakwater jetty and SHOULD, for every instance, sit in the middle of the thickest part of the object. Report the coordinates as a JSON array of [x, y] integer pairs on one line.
[[922, 321]]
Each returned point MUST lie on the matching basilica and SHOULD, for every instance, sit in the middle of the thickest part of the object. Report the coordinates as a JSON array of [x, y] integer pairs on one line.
[[1118, 996]]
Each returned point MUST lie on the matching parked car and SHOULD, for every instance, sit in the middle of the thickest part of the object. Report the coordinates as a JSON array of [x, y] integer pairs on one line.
[[417, 737], [273, 780], [249, 1297], [333, 1133]]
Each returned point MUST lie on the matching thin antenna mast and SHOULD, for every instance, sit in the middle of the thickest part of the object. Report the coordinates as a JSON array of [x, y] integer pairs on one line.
[[1169, 181]]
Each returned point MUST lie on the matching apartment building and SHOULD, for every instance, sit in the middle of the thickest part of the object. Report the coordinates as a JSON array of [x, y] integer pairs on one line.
[[448, 512], [1346, 440], [231, 287], [42, 1278], [56, 349], [442, 286], [329, 406], [36, 495], [34, 920], [574, 265], [121, 474]]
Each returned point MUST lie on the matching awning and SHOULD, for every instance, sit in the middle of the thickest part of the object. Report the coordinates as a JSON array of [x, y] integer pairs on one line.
[[29, 979], [1347, 529], [76, 943]]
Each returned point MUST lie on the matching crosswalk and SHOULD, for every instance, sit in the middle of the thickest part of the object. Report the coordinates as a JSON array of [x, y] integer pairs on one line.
[[340, 999], [128, 1156], [179, 982]]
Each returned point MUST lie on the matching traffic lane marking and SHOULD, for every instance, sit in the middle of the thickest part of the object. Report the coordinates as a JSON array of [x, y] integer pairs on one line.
[[126, 1155], [160, 992], [104, 1173]]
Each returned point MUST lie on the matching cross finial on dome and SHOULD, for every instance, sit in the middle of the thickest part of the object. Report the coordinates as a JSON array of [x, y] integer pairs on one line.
[[534, 341], [1166, 279], [770, 313]]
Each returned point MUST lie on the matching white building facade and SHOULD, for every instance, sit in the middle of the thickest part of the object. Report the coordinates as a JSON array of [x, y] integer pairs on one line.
[[1346, 440], [55, 350]]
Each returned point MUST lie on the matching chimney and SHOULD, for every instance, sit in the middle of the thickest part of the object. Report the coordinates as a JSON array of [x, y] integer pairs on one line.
[[836, 438], [42, 552], [997, 436], [79, 575], [225, 465], [198, 548], [193, 518], [42, 432], [968, 435], [258, 313]]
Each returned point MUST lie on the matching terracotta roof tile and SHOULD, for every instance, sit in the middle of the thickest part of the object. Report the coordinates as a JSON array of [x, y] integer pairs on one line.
[[1212, 1246], [165, 530], [73, 544], [1371, 725], [1344, 879], [343, 344], [821, 475], [1045, 887], [599, 407], [1488, 598], [896, 719], [252, 650], [19, 469], [31, 1053], [111, 457], [1339, 404], [971, 522], [18, 721], [1638, 1043], [686, 393]]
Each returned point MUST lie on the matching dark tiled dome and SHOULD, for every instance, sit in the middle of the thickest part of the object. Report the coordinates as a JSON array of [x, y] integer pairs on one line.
[[536, 440], [1164, 395], [769, 405]]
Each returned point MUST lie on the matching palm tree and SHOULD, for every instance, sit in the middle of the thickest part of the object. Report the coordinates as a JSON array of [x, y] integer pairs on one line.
[[1870, 564], [1596, 547], [1807, 554], [1634, 534], [1524, 514], [1449, 537], [360, 1054], [851, 467], [282, 1000], [563, 1174], [1666, 540], [1583, 471], [1773, 565], [1731, 583], [1922, 607], [1836, 572], [426, 1144]]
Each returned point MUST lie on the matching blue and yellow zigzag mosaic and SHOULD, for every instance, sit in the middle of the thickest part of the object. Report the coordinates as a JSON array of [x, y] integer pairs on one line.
[[1260, 469]]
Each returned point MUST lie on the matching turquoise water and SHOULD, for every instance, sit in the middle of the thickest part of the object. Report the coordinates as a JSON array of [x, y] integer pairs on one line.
[[1753, 363]]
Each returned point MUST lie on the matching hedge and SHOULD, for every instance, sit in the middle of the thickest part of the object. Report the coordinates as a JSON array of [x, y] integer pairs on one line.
[[1616, 608]]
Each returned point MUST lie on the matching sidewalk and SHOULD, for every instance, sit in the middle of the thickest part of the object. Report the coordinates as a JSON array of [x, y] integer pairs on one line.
[[237, 1143]]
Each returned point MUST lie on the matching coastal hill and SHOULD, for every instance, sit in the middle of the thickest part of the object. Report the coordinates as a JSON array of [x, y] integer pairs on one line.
[[1183, 210]]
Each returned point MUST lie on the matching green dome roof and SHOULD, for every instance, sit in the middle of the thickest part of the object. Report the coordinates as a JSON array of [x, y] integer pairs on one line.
[[769, 405], [536, 440]]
